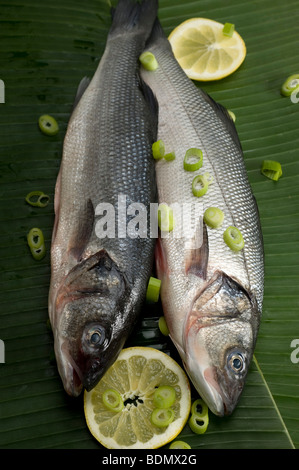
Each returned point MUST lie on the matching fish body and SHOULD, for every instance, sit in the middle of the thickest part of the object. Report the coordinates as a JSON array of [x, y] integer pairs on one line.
[[98, 282], [211, 296]]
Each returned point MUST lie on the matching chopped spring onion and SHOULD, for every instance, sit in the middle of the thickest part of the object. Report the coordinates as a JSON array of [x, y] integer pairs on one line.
[[36, 242], [112, 400], [48, 125], [165, 218], [198, 424], [228, 29], [200, 184], [233, 238], [163, 326], [271, 169], [289, 85], [213, 217], [153, 290], [164, 396], [37, 199], [179, 445], [199, 408], [232, 115], [162, 417], [148, 61], [193, 159], [158, 149], [169, 156]]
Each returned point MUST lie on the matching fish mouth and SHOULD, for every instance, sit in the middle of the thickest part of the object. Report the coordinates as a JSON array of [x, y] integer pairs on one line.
[[70, 372], [212, 383]]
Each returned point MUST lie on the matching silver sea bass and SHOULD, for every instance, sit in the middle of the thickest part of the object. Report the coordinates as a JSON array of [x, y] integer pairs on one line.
[[211, 296], [98, 284]]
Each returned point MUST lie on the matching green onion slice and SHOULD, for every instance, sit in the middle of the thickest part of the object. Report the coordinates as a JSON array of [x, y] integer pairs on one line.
[[232, 115], [271, 169], [198, 424], [213, 217], [233, 238], [112, 400], [228, 29], [200, 184], [162, 417], [199, 408], [153, 290], [165, 218], [148, 61], [48, 125], [169, 156], [36, 242], [179, 445], [193, 159], [163, 326], [37, 199], [164, 396], [158, 149], [289, 85]]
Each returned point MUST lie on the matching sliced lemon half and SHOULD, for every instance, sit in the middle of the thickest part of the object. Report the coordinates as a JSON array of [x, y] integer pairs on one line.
[[204, 52], [135, 375]]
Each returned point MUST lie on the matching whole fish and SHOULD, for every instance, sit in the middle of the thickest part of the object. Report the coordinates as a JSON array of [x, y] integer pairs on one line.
[[211, 296], [99, 275]]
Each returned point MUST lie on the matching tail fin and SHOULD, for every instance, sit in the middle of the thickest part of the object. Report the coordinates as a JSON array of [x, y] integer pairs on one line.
[[132, 16]]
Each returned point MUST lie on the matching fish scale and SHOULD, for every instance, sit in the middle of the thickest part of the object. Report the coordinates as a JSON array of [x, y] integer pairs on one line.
[[188, 118]]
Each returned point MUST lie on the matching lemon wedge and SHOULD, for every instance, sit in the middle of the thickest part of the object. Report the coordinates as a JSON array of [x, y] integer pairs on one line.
[[135, 376], [204, 52]]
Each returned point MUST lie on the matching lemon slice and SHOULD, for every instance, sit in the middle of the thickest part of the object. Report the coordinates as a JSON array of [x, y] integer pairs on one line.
[[135, 375], [204, 52]]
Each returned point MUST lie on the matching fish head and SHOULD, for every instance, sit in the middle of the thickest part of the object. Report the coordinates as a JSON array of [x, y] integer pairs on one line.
[[219, 338], [91, 308]]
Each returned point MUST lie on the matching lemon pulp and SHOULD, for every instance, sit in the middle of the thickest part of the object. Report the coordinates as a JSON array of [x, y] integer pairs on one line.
[[136, 374]]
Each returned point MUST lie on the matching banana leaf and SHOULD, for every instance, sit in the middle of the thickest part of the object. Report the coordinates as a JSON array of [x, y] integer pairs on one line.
[[45, 50]]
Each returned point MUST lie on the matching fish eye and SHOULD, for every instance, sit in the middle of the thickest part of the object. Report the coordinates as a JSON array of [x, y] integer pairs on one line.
[[95, 336], [236, 362]]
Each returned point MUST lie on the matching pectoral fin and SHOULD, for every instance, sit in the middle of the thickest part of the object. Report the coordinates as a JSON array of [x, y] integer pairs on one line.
[[196, 260], [82, 231]]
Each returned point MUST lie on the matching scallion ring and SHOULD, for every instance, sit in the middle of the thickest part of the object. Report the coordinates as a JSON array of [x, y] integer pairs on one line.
[[200, 184], [162, 417], [271, 169], [169, 156], [164, 396], [289, 85], [199, 408], [163, 326], [37, 199], [233, 238], [112, 400], [148, 61], [198, 424], [48, 125], [165, 218], [213, 217], [36, 242], [228, 29], [193, 159], [179, 445], [153, 290], [158, 149]]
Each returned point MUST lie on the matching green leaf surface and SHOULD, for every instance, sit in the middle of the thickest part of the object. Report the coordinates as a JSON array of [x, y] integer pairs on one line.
[[45, 50]]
